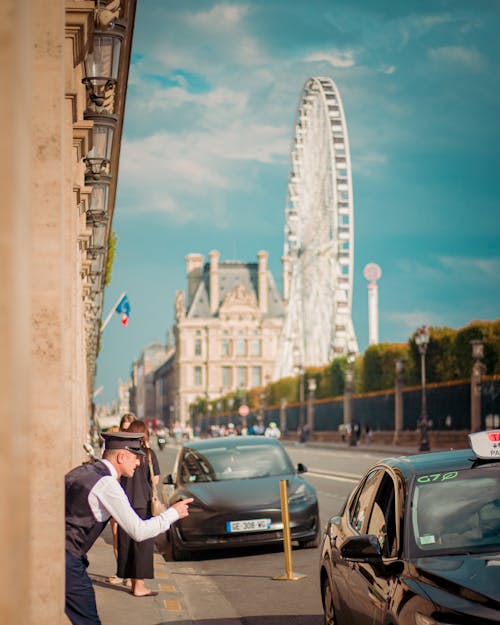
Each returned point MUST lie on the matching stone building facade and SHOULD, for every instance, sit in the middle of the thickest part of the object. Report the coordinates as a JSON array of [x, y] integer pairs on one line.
[[142, 392], [57, 207], [227, 328]]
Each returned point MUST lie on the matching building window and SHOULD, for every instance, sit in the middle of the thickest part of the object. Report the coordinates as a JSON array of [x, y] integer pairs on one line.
[[226, 377], [241, 373], [256, 376], [197, 347], [226, 347], [241, 347], [197, 376], [256, 347]]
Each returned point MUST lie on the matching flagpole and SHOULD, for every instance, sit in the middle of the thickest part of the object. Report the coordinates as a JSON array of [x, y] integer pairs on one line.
[[106, 321]]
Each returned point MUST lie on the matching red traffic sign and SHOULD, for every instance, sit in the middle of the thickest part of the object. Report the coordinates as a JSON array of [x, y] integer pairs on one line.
[[243, 411]]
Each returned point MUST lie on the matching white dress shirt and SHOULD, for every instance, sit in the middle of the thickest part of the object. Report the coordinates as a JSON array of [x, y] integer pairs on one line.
[[107, 498]]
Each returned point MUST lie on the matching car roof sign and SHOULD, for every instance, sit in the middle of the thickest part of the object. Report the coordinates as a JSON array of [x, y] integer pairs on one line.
[[486, 445]]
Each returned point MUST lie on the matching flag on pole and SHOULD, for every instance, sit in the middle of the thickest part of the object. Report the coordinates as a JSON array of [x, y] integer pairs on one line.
[[123, 309], [98, 391]]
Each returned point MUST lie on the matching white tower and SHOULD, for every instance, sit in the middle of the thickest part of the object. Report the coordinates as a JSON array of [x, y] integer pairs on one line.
[[372, 273]]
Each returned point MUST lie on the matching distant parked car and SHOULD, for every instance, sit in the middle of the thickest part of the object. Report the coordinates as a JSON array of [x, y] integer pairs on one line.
[[418, 542], [234, 482]]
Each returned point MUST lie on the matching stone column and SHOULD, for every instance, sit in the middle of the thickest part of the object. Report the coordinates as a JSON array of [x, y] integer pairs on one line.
[[16, 147], [51, 425]]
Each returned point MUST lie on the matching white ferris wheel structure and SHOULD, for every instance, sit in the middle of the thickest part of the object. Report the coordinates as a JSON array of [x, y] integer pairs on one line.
[[319, 235]]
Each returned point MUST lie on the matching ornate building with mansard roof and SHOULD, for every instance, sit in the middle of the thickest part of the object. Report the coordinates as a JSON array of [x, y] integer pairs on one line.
[[227, 328]]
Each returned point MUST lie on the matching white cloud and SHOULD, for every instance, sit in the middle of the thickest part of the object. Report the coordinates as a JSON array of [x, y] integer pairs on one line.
[[408, 322], [458, 55], [336, 58], [388, 70], [182, 168], [472, 268], [220, 16], [368, 164]]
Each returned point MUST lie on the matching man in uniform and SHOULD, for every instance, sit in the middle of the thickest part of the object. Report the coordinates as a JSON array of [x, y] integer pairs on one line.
[[93, 495]]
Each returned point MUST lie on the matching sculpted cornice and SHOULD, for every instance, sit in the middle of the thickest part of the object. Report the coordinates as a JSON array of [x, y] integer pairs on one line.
[[239, 301]]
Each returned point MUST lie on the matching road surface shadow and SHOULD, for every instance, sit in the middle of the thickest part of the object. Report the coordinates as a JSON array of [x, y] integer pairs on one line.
[[261, 619]]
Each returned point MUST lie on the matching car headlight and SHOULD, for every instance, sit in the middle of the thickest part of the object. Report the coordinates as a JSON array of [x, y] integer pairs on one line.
[[301, 494]]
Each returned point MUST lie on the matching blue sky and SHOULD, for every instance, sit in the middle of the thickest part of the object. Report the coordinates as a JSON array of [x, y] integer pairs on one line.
[[212, 96]]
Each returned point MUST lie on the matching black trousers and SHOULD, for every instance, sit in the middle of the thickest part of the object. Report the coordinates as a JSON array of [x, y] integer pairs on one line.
[[81, 607], [135, 560]]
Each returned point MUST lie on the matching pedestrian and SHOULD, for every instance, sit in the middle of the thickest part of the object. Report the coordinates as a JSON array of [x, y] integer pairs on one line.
[[135, 559], [125, 421], [93, 494], [272, 431]]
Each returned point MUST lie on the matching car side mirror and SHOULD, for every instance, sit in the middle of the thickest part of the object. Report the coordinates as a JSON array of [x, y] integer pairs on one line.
[[362, 548], [169, 480], [301, 468]]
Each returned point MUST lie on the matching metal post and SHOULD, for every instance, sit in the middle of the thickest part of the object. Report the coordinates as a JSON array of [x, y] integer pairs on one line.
[[287, 541]]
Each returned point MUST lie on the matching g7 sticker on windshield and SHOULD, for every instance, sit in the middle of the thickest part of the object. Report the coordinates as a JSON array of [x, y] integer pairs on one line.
[[437, 477]]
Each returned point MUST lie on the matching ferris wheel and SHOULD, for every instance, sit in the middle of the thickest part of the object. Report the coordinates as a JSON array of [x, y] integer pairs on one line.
[[319, 235]]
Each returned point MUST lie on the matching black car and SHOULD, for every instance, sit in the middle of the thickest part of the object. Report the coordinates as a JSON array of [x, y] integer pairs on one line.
[[234, 482], [418, 542]]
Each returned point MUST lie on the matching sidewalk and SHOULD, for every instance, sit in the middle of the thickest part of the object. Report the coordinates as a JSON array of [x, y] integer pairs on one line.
[[117, 606], [388, 450]]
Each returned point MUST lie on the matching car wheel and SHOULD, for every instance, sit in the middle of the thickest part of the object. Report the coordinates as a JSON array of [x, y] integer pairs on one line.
[[310, 544], [179, 554], [328, 609]]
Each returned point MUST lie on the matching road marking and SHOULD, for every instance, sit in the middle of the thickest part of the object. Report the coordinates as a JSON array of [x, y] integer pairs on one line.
[[337, 477]]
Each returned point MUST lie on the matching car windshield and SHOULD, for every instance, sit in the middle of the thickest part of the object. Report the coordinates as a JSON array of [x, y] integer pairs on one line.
[[233, 463], [457, 511]]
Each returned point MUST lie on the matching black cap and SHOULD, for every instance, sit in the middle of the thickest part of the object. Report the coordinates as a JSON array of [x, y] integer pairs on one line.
[[124, 440]]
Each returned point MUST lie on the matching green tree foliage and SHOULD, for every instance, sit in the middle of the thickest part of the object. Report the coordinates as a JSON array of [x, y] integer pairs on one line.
[[113, 238], [448, 357], [449, 353], [379, 365]]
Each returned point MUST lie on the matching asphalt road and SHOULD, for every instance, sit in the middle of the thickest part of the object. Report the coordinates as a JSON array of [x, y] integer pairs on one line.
[[236, 587]]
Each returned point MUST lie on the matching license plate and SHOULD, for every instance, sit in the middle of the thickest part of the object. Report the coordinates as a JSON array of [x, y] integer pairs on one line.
[[250, 525]]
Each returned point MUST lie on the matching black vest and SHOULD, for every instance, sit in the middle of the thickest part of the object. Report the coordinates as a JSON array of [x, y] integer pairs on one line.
[[82, 528]]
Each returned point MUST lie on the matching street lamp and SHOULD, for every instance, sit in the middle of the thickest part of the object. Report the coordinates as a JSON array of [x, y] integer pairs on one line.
[[311, 387], [422, 341], [300, 370], [102, 63], [478, 370], [349, 388]]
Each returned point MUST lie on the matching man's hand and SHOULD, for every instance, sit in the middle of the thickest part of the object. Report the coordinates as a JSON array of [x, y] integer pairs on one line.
[[182, 507]]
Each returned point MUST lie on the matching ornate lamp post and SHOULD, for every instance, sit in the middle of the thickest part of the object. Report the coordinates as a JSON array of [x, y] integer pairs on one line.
[[422, 341], [300, 370], [283, 427], [349, 388], [478, 370], [311, 387]]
